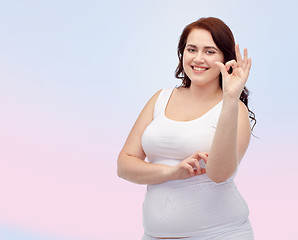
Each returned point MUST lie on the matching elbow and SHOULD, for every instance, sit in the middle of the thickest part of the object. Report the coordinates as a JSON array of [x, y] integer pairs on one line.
[[119, 173], [219, 176], [124, 167], [120, 170], [220, 173], [218, 179]]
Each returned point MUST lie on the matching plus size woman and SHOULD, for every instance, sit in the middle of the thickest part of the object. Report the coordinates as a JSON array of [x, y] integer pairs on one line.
[[194, 137]]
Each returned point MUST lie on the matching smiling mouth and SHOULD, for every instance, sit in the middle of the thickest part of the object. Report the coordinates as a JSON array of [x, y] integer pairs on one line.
[[199, 69]]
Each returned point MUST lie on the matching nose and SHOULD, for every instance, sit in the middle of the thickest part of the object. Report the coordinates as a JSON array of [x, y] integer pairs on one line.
[[199, 58]]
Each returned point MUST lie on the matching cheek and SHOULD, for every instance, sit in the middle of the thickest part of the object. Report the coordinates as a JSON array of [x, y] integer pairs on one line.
[[214, 67], [221, 58], [186, 60], [215, 59]]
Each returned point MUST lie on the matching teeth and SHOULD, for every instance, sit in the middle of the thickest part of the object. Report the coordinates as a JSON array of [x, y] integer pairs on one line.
[[199, 69]]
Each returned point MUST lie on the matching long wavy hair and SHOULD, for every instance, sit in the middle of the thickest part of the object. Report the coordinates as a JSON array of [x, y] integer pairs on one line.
[[224, 40]]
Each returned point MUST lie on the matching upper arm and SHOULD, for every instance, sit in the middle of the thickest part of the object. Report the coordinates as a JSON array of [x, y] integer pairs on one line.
[[133, 146], [244, 131]]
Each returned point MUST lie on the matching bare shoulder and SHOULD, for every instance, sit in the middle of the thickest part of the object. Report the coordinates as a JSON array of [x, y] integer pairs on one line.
[[148, 110], [146, 116], [153, 99]]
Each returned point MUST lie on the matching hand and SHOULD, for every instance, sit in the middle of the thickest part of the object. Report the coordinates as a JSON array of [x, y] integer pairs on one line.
[[234, 83], [189, 167]]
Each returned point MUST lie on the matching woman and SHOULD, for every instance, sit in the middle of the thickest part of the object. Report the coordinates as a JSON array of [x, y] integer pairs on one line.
[[194, 138]]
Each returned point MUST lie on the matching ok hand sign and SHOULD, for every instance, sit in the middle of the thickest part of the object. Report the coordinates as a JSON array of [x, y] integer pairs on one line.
[[233, 83]]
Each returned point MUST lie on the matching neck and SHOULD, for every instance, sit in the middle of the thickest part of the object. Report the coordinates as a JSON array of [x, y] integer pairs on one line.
[[205, 93]]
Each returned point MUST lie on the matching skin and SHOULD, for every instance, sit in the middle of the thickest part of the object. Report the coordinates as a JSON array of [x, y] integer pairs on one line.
[[201, 51], [232, 135]]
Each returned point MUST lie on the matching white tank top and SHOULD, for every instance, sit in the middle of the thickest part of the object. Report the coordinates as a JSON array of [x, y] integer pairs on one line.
[[167, 141], [196, 206]]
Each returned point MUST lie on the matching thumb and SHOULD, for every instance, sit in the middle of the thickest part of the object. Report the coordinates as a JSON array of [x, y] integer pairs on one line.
[[222, 68]]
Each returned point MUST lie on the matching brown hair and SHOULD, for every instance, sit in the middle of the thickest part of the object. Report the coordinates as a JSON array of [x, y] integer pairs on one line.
[[224, 40]]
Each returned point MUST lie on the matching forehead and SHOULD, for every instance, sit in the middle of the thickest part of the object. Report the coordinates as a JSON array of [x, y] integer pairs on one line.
[[200, 37]]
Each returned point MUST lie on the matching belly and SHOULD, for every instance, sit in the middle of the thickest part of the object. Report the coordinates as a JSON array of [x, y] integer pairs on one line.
[[173, 211]]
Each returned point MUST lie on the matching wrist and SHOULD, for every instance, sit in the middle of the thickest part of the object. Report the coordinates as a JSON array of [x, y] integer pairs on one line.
[[228, 100], [231, 94], [168, 173], [230, 105]]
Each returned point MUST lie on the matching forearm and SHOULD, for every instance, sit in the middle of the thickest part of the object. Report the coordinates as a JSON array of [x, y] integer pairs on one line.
[[223, 156], [138, 171]]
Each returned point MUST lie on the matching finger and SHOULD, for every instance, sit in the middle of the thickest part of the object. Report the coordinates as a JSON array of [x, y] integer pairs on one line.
[[249, 64], [231, 63], [206, 153], [197, 166], [247, 69], [199, 155], [205, 156], [222, 69], [245, 54], [196, 155], [238, 55], [190, 170], [245, 59]]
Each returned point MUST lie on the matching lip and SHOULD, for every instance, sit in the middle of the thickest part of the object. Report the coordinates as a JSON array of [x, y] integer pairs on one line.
[[202, 69]]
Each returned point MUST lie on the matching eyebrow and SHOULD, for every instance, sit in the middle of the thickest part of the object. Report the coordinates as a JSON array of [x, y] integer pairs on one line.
[[205, 47]]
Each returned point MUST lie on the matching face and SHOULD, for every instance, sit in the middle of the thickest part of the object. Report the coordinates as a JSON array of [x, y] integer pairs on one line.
[[199, 57]]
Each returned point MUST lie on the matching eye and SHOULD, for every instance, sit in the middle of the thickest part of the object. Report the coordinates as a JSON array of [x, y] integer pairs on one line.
[[191, 50], [209, 52]]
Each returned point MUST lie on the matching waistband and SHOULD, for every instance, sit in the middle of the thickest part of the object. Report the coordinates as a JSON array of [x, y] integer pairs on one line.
[[241, 232]]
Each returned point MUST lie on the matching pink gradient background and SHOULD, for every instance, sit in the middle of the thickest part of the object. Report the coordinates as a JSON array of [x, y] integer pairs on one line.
[[74, 77]]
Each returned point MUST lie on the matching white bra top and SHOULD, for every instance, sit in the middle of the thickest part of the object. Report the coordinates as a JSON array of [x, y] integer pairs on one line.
[[166, 141]]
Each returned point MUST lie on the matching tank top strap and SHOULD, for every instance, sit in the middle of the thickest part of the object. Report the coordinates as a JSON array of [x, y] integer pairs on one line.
[[162, 101]]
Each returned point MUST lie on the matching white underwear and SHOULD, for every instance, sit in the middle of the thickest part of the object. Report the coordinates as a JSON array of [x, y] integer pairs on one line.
[[243, 232]]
